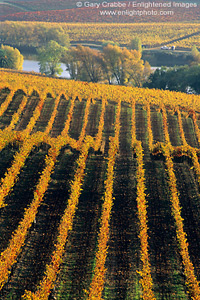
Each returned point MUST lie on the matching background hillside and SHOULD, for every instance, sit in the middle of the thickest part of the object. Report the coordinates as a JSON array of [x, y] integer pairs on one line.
[[67, 11]]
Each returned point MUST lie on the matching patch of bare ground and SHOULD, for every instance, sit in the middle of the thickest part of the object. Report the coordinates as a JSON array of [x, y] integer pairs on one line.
[[157, 125], [173, 129], [109, 120], [45, 115], [190, 210], [141, 129], [124, 246], [93, 118], [6, 118], [189, 132], [61, 117], [76, 270], [20, 196], [27, 113], [77, 119], [123, 251], [39, 244], [3, 94], [166, 266]]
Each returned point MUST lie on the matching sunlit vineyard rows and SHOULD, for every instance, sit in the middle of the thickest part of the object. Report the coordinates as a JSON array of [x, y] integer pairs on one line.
[[99, 191], [161, 32]]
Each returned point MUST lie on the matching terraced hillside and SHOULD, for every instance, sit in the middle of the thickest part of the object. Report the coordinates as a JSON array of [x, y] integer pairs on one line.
[[99, 191]]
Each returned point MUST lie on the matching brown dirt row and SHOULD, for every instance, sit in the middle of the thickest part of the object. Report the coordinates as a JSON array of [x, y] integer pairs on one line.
[[157, 126], [123, 252], [77, 119], [165, 261], [45, 115], [124, 246], [125, 137], [93, 119], [190, 203], [189, 131], [141, 129], [109, 120], [12, 108], [61, 117], [6, 157], [33, 101], [76, 270], [166, 266], [173, 130], [20, 196], [39, 244], [3, 94]]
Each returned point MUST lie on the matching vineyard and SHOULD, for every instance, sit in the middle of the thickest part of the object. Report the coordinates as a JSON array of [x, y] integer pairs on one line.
[[184, 35], [99, 191], [57, 12]]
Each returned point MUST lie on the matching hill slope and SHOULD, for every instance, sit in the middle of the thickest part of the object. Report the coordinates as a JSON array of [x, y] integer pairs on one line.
[[100, 185], [102, 11], [152, 35]]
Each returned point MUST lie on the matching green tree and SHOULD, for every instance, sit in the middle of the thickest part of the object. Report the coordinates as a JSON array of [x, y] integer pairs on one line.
[[59, 35], [136, 44], [193, 78], [183, 79], [50, 57], [195, 55], [11, 58], [163, 78]]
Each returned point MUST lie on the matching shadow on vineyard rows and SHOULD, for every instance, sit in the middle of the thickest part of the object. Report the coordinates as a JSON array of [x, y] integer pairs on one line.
[[59, 126], [39, 243]]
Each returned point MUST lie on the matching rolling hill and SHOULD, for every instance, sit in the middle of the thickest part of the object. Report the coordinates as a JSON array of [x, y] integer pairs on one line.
[[69, 11], [99, 191]]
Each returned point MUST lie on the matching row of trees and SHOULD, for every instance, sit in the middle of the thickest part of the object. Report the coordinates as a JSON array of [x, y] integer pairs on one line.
[[184, 79], [111, 65], [30, 34]]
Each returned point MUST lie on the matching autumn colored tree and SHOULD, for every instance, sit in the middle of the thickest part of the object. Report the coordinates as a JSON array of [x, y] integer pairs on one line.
[[11, 58], [84, 63], [123, 66], [72, 63], [106, 43], [113, 65], [147, 71]]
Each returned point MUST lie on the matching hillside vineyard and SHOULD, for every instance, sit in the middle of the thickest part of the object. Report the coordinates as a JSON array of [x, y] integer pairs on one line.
[[177, 34], [99, 191]]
